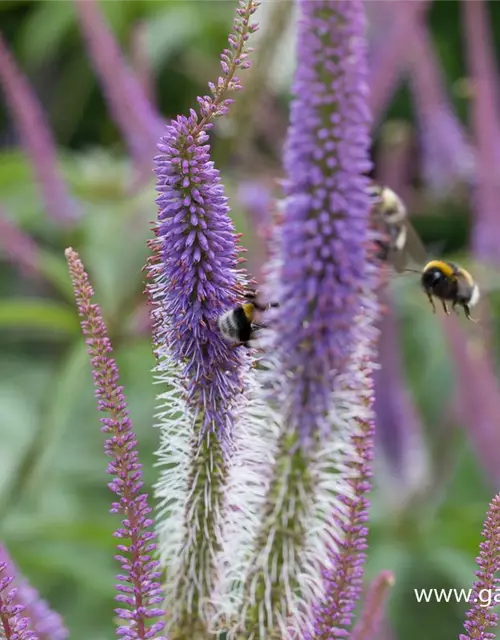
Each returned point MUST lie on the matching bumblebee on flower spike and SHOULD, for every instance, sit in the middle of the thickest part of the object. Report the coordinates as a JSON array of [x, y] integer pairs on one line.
[[238, 325]]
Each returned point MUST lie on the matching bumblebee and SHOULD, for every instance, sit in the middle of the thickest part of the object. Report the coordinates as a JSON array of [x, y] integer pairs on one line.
[[449, 283], [238, 325], [401, 242]]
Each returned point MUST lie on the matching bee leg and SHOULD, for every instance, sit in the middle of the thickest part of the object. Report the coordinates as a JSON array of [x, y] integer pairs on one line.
[[467, 313], [431, 300], [445, 307], [454, 307]]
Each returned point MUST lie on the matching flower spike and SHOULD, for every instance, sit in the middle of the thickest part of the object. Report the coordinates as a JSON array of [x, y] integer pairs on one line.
[[194, 277], [138, 589]]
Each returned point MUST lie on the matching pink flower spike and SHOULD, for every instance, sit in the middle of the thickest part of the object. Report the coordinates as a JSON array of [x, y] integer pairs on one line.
[[140, 573], [479, 618]]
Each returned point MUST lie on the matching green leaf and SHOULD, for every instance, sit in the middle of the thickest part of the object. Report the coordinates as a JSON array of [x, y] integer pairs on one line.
[[48, 24], [457, 566], [171, 30], [39, 316], [55, 270]]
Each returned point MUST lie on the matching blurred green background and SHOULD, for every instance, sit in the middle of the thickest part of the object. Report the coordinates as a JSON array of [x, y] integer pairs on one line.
[[53, 497]]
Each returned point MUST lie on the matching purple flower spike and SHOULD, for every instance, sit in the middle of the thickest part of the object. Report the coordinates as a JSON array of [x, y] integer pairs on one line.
[[139, 123], [37, 139], [324, 329], [343, 576], [480, 617], [448, 156], [194, 278], [45, 622], [13, 625], [138, 588], [399, 430], [325, 230]]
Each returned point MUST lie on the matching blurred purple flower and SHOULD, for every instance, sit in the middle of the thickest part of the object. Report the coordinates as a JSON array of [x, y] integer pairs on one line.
[[399, 429], [485, 127], [319, 278], [398, 426], [480, 618], [372, 614], [138, 587], [139, 123], [47, 624], [13, 625], [36, 136], [325, 230], [447, 154], [393, 162], [477, 397], [344, 577], [389, 60], [256, 198], [19, 247], [194, 278], [141, 64]]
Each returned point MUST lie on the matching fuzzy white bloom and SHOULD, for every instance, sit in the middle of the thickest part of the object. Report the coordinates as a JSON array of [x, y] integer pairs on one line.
[[298, 537]]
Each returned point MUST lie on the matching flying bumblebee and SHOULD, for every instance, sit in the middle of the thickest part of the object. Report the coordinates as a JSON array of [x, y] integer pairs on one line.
[[238, 325], [439, 279], [449, 283], [401, 242]]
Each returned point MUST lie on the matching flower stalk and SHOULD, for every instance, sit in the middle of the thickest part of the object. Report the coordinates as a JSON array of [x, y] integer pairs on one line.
[[138, 588], [194, 277], [344, 577], [318, 275]]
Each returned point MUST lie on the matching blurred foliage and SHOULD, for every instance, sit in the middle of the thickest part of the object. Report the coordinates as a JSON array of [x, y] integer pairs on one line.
[[53, 496]]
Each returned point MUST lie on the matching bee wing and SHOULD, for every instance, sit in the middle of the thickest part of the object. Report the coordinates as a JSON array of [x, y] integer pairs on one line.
[[398, 259], [414, 245], [484, 274]]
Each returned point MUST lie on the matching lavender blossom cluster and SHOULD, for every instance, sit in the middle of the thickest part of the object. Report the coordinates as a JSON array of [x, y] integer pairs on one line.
[[265, 454]]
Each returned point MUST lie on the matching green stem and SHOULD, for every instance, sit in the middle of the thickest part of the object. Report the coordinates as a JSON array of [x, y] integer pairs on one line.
[[279, 542], [203, 515]]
